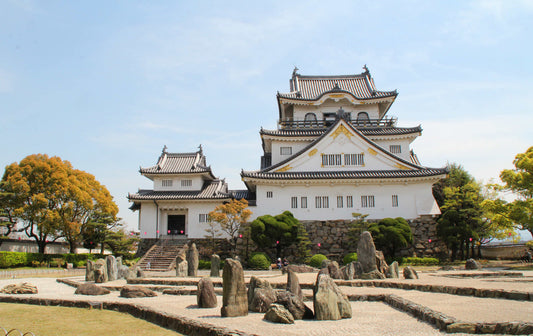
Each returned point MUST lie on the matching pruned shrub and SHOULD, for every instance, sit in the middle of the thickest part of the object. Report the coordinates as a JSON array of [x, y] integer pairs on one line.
[[415, 261], [349, 258], [316, 260], [259, 261]]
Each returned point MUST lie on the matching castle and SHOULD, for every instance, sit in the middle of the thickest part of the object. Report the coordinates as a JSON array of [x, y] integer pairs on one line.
[[335, 152]]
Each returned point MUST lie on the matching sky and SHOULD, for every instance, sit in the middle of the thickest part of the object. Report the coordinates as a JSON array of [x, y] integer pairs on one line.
[[106, 84]]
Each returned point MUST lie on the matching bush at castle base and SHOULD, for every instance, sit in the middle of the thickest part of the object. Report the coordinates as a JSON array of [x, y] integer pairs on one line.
[[259, 261], [316, 260]]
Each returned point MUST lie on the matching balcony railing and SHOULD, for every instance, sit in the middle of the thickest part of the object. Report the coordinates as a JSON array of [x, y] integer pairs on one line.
[[299, 124]]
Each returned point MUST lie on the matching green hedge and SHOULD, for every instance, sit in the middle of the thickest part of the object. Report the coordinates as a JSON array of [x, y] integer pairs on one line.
[[419, 261], [259, 260], [316, 260], [21, 259], [349, 258]]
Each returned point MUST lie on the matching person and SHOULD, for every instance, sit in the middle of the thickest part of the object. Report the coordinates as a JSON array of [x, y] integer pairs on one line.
[[285, 262], [279, 263]]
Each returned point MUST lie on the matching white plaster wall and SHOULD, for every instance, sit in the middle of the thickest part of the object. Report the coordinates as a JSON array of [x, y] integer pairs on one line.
[[409, 196], [405, 154], [332, 107], [147, 220], [197, 183], [296, 147]]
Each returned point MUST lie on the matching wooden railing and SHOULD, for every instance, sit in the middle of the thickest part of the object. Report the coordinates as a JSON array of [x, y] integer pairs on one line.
[[299, 124]]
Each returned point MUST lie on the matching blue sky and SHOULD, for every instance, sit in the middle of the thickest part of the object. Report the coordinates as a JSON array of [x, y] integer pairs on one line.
[[105, 84]]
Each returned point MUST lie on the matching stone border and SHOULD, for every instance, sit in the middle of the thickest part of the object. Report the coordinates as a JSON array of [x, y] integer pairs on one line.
[[177, 323]]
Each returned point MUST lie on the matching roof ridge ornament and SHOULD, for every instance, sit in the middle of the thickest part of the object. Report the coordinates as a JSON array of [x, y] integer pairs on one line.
[[164, 149], [366, 69], [295, 72]]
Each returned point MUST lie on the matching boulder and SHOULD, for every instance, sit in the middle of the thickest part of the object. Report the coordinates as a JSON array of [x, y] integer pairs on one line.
[[471, 264], [100, 271], [329, 302], [123, 271], [410, 273], [353, 270], [91, 289], [333, 268], [279, 314], [89, 271], [293, 284], [294, 304], [381, 263], [215, 265], [234, 299], [136, 292], [192, 260], [373, 275], [112, 268], [21, 288], [260, 295], [298, 269], [394, 270], [205, 294], [366, 252], [182, 268]]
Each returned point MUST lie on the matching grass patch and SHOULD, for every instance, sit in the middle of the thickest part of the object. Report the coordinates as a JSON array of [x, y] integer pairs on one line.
[[44, 321]]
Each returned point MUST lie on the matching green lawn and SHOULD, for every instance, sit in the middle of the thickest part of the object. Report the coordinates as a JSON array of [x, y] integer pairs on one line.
[[48, 321]]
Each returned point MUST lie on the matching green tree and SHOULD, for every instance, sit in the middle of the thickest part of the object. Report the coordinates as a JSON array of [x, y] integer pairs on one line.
[[519, 212], [52, 199], [390, 234], [231, 216], [357, 226], [98, 227], [277, 232], [461, 219], [120, 242]]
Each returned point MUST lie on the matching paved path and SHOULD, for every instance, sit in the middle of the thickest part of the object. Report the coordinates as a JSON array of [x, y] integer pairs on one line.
[[369, 318]]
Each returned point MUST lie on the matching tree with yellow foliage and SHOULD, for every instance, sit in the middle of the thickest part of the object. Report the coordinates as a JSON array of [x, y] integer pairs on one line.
[[231, 216], [52, 199]]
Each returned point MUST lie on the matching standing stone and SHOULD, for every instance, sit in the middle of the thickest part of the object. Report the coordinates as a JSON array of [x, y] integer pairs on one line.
[[89, 271], [215, 265], [279, 314], [294, 304], [205, 294], [329, 302], [192, 260], [471, 264], [119, 261], [234, 299], [112, 268], [100, 271], [293, 284], [333, 268], [366, 252], [260, 295], [409, 273], [352, 271], [394, 270], [123, 271], [381, 263], [182, 269]]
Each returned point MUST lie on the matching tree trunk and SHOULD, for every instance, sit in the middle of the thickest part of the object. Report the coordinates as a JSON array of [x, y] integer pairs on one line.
[[42, 246], [72, 247]]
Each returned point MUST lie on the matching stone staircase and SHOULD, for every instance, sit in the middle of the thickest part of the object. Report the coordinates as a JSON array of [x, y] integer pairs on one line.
[[161, 257]]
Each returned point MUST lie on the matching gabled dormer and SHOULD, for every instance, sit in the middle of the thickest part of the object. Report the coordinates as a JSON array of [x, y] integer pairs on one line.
[[179, 171]]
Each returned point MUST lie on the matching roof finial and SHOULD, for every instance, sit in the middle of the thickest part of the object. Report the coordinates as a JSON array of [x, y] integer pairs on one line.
[[164, 149], [200, 149], [366, 69], [295, 71]]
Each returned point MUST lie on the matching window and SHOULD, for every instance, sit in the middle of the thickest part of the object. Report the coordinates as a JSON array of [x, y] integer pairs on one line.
[[303, 202], [322, 202], [349, 201], [294, 202], [394, 201], [269, 194], [340, 202], [362, 116], [285, 150], [367, 201], [166, 183], [354, 159], [310, 119], [186, 183], [395, 149], [331, 159], [203, 218]]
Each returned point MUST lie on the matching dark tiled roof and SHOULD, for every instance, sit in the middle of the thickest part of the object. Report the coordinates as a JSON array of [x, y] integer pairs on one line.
[[216, 189], [239, 194], [179, 163], [360, 86], [368, 131], [354, 174]]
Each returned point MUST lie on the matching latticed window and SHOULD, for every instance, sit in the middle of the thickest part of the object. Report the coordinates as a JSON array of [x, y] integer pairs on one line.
[[294, 202], [349, 201], [203, 218], [269, 194], [395, 149], [186, 183], [367, 202], [322, 202], [354, 159], [166, 183], [285, 150], [394, 201], [303, 202], [331, 159], [340, 203]]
